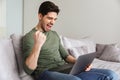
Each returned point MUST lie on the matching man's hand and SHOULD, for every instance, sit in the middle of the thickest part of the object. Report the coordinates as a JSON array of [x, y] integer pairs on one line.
[[39, 38], [88, 68]]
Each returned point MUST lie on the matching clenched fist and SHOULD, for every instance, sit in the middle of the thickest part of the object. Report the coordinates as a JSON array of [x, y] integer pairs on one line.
[[39, 38]]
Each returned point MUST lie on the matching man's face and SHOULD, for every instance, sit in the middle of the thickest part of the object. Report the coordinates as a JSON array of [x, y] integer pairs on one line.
[[47, 21]]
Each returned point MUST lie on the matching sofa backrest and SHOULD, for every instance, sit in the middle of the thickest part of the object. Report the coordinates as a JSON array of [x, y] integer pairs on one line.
[[8, 64]]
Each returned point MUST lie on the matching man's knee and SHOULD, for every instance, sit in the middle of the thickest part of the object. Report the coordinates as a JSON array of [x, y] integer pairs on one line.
[[111, 75]]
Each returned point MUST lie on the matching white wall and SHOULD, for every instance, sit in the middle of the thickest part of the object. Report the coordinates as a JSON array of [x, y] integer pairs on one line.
[[2, 13], [98, 19], [2, 18], [11, 20], [14, 16]]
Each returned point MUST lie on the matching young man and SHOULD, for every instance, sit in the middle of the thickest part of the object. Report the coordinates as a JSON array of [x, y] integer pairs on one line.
[[42, 51]]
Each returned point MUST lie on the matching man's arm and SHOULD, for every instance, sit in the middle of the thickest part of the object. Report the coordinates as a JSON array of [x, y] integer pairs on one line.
[[32, 59], [70, 59]]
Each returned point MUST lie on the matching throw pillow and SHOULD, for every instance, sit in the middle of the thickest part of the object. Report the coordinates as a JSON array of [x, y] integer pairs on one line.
[[77, 51], [70, 43], [100, 48], [111, 53], [8, 65], [16, 40]]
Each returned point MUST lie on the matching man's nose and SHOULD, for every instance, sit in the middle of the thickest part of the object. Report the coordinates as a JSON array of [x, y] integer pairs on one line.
[[52, 22]]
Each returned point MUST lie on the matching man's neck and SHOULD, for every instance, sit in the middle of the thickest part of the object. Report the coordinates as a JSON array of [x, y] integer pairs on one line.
[[38, 27]]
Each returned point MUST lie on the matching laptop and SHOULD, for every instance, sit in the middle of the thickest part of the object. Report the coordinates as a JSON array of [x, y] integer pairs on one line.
[[82, 62], [78, 67]]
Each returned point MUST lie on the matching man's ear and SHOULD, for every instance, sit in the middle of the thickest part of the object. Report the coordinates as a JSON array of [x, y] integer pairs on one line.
[[40, 16]]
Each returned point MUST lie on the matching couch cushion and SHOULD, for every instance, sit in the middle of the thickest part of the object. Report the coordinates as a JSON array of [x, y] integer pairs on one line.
[[77, 51], [16, 40], [70, 43], [101, 64], [8, 65], [111, 53], [100, 48]]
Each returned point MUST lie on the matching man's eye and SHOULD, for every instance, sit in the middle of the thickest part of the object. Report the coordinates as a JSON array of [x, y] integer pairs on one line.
[[55, 19], [49, 18]]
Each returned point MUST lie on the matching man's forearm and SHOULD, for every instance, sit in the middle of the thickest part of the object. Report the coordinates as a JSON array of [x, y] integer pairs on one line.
[[32, 59], [70, 59]]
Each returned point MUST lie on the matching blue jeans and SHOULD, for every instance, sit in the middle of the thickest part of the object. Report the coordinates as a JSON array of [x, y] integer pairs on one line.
[[93, 74], [98, 74]]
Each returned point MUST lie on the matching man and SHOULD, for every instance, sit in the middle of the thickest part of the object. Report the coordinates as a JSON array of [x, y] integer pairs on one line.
[[42, 51]]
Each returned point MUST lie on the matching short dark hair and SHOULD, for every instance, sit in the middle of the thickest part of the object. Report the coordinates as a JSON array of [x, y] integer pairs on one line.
[[48, 6]]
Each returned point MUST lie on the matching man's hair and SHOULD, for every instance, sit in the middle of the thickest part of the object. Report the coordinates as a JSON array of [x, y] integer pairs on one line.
[[48, 6]]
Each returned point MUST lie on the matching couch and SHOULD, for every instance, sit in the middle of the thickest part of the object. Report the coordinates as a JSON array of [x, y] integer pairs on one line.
[[108, 55]]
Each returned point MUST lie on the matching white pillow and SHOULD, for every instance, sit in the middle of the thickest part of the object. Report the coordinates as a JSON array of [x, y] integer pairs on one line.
[[61, 40], [77, 51], [70, 43], [8, 65], [111, 53]]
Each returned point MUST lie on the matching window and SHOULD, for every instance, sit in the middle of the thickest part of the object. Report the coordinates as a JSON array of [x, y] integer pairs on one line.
[[2, 13]]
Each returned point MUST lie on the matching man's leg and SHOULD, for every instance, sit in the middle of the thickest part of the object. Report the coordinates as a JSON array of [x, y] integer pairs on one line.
[[98, 74], [111, 74], [49, 75]]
